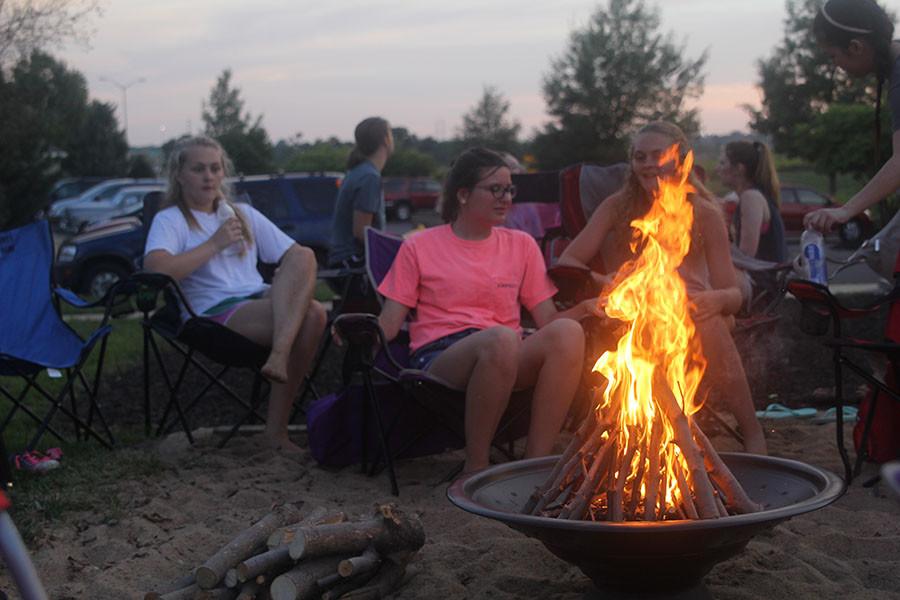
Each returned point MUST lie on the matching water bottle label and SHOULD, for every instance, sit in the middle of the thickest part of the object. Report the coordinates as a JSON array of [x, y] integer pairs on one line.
[[816, 262]]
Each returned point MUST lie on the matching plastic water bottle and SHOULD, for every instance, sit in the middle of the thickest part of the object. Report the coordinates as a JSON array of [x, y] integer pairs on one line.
[[225, 212], [812, 249]]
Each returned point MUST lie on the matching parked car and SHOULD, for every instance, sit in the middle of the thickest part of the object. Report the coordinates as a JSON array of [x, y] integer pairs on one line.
[[71, 187], [102, 191], [402, 195], [797, 201], [300, 204], [128, 201]]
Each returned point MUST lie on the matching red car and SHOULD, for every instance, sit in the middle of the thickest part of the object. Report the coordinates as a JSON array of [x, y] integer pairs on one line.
[[402, 195], [796, 201]]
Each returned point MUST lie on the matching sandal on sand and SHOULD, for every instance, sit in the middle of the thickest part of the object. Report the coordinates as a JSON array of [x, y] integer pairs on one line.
[[830, 415], [890, 474], [780, 411]]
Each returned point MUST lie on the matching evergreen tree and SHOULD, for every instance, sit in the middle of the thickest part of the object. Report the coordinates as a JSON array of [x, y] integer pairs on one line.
[[486, 124], [619, 72], [243, 137]]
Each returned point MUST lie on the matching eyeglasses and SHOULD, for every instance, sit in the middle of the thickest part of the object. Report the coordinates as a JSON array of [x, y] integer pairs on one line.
[[498, 191]]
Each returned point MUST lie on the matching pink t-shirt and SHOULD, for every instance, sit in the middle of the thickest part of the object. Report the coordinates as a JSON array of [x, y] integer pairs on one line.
[[455, 284]]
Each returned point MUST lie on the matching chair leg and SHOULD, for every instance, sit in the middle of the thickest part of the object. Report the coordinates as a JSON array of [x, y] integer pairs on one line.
[[255, 400], [173, 393], [146, 359], [20, 403], [839, 401], [373, 403]]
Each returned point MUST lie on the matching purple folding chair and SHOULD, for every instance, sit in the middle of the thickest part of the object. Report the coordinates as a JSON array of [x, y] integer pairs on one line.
[[428, 417]]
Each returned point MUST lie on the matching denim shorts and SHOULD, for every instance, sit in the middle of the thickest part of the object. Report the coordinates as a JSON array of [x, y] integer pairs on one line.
[[423, 357]]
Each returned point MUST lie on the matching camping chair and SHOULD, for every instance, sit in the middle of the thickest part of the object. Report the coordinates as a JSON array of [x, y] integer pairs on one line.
[[195, 336], [820, 307], [161, 320], [433, 409], [34, 337]]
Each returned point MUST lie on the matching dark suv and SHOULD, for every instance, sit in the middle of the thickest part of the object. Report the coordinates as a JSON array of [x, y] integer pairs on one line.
[[404, 194], [300, 204]]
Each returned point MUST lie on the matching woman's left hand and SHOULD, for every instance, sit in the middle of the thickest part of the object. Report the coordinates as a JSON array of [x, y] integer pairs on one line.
[[707, 304]]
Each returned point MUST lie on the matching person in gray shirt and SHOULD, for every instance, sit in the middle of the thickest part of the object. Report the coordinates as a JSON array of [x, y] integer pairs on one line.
[[360, 202]]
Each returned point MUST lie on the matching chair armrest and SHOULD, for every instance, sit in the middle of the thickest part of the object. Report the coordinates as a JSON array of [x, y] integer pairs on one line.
[[73, 299], [157, 282], [363, 334], [889, 349]]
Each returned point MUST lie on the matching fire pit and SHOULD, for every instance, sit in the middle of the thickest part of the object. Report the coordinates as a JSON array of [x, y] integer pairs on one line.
[[647, 559]]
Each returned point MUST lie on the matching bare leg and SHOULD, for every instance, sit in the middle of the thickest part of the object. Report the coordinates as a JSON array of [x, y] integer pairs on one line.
[[551, 360], [485, 365], [291, 293], [726, 373]]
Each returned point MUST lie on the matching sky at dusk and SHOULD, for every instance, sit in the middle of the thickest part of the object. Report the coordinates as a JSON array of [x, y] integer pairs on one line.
[[317, 68]]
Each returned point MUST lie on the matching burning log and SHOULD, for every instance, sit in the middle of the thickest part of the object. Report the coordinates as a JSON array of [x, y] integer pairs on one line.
[[640, 455]]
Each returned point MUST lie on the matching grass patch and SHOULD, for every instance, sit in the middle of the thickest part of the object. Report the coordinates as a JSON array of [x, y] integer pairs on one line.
[[124, 351], [86, 482]]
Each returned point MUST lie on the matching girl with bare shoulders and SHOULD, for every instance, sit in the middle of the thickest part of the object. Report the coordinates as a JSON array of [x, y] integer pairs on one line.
[[707, 269]]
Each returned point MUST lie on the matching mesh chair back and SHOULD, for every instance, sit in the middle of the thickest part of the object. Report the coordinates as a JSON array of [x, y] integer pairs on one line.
[[381, 248], [31, 329]]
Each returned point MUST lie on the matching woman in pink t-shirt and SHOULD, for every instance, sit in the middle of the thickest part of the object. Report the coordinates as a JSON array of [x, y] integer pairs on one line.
[[467, 282]]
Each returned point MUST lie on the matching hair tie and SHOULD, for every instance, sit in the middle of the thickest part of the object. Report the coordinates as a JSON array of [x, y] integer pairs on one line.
[[841, 25]]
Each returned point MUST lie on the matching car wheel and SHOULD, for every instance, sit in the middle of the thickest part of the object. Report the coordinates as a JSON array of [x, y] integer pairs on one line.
[[403, 211], [102, 276], [852, 233]]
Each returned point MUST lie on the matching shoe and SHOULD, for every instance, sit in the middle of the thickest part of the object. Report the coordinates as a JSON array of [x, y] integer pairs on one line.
[[780, 411], [34, 462], [54, 453]]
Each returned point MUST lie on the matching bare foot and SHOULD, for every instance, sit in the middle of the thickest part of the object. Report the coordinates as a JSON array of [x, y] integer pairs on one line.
[[282, 444], [275, 369]]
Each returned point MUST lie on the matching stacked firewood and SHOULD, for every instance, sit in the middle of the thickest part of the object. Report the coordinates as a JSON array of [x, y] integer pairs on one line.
[[285, 557]]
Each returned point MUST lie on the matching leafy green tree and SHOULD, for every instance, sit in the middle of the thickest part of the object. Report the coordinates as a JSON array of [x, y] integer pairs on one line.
[[799, 84], [487, 123], [329, 155], [243, 137], [40, 100], [140, 167], [98, 146], [618, 72], [409, 162]]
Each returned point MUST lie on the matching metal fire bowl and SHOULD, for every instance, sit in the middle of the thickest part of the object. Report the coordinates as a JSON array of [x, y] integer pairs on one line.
[[649, 558]]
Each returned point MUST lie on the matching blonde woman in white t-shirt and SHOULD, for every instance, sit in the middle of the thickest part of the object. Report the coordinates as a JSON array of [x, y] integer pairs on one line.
[[210, 245]]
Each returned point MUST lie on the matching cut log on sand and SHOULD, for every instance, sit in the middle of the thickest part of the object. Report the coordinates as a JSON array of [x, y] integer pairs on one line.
[[245, 544]]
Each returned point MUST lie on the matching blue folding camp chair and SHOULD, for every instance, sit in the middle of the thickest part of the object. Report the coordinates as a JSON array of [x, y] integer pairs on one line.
[[33, 336]]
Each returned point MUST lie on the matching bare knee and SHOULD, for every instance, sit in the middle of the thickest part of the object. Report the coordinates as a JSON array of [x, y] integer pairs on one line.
[[564, 339], [499, 348], [300, 261]]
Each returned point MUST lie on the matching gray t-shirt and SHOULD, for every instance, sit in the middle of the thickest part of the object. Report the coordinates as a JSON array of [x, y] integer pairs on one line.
[[360, 190]]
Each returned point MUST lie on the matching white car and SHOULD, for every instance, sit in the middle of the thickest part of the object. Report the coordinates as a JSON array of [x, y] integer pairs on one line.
[[128, 201], [101, 191]]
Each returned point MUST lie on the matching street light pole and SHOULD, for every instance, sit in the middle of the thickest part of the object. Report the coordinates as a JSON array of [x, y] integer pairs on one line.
[[124, 89]]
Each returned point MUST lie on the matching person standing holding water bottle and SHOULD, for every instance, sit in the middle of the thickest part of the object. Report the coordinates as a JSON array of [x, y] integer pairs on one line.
[[211, 247], [858, 37]]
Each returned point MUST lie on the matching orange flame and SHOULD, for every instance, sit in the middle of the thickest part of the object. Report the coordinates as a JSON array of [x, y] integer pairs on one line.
[[659, 344]]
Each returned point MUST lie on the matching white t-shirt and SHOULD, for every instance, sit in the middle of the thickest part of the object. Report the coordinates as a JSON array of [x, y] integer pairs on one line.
[[227, 273]]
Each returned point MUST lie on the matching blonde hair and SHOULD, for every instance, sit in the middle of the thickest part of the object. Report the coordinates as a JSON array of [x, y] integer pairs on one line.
[[636, 201], [175, 194]]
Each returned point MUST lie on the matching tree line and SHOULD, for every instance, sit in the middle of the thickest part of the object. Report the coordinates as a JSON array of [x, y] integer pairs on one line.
[[617, 71]]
